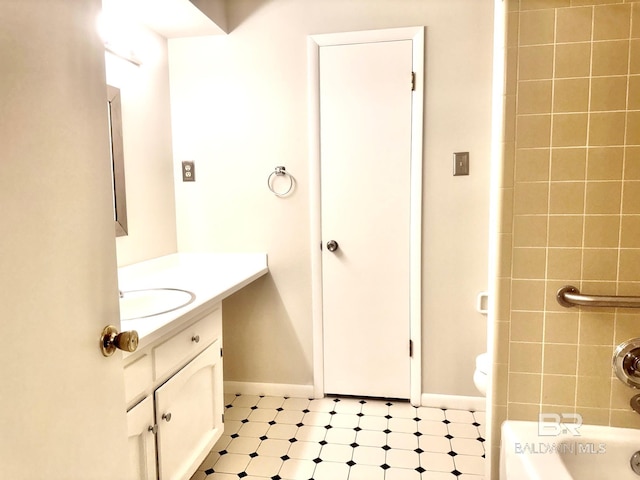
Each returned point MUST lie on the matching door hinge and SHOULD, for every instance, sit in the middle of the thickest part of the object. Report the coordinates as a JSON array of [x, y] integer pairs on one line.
[[222, 415], [411, 348], [413, 81]]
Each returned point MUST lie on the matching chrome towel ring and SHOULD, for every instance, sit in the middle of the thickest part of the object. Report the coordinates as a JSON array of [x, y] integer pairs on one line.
[[280, 172]]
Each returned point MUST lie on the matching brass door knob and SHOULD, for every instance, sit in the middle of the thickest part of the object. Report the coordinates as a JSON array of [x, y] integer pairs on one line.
[[111, 340]]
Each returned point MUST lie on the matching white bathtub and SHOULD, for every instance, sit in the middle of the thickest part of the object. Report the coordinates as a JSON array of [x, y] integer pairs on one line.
[[588, 453]]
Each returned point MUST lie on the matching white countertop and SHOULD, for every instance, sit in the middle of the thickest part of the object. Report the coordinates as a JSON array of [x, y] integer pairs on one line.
[[210, 276]]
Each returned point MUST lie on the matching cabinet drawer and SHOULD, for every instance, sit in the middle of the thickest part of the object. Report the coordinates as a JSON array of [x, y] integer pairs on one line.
[[183, 346], [138, 376]]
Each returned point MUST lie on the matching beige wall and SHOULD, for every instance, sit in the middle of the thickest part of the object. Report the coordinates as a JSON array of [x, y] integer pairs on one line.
[[239, 108], [146, 121], [571, 208]]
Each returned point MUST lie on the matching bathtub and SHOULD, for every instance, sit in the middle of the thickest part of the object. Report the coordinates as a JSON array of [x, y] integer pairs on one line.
[[585, 452]]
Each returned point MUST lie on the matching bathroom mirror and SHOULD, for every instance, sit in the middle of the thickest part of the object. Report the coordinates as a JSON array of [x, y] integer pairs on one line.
[[114, 110]]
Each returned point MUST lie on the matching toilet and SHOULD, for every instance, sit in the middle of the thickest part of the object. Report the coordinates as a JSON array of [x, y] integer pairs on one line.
[[481, 373]]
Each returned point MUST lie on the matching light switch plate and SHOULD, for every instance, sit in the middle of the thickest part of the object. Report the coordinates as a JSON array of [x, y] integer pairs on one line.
[[461, 163]]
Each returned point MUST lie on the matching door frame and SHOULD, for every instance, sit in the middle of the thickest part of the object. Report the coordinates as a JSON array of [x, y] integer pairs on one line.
[[314, 42]]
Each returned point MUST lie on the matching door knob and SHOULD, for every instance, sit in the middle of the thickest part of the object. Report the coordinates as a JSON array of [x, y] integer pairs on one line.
[[111, 340], [332, 245]]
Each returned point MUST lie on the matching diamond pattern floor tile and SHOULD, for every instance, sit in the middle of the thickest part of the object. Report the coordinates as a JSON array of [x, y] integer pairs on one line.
[[281, 438]]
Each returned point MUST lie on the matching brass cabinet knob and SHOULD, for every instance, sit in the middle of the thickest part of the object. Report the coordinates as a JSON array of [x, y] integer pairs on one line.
[[195, 338], [166, 417], [111, 340]]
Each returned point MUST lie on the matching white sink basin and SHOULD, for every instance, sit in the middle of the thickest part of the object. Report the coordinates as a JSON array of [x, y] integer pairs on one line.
[[150, 302]]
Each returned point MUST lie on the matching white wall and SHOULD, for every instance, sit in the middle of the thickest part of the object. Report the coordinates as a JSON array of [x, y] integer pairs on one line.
[[239, 108], [146, 121]]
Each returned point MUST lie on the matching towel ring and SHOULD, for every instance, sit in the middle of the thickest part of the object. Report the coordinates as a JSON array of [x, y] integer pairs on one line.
[[280, 172]]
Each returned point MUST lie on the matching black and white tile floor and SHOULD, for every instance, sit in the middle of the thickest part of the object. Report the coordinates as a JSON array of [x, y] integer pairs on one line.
[[344, 439]]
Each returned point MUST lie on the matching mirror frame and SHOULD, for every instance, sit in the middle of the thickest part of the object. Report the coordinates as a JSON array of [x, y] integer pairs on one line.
[[114, 106]]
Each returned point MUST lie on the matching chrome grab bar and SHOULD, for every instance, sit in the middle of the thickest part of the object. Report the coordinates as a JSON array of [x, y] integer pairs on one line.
[[569, 296]]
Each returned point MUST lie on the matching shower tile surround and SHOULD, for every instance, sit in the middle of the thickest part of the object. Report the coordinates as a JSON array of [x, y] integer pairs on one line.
[[570, 209], [338, 438]]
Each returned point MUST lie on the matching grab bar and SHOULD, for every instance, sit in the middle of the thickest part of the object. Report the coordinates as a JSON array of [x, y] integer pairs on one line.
[[569, 296]]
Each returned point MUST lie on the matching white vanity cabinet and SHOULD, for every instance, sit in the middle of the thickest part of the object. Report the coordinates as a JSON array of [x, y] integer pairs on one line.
[[174, 396]]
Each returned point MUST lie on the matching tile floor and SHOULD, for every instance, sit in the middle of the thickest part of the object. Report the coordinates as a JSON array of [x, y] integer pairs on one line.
[[333, 438]]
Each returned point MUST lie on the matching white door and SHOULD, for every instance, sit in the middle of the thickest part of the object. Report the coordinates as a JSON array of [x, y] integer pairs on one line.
[[365, 159], [62, 410]]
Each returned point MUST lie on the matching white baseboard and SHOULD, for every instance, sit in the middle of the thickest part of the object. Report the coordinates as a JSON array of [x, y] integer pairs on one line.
[[269, 389], [454, 402]]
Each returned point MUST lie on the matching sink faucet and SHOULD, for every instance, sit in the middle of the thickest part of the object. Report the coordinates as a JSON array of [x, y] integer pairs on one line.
[[635, 403]]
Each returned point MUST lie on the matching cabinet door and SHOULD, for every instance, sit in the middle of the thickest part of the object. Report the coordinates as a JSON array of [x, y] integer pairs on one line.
[[142, 442], [189, 415]]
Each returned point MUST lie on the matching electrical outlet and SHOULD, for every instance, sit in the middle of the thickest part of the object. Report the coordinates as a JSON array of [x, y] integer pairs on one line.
[[188, 171]]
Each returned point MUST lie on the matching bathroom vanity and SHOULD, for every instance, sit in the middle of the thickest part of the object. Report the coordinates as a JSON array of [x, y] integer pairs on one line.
[[173, 381]]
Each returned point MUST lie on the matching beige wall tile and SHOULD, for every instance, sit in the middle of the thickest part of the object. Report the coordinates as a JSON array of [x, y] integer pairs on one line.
[[524, 387], [634, 92], [625, 418], [506, 210], [558, 389], [593, 416], [633, 128], [565, 231], [572, 60], [601, 231], [534, 96], [526, 326], [505, 255], [630, 231], [571, 95], [530, 231], [508, 164], [632, 163], [533, 165], [569, 130], [535, 62], [525, 357], [630, 266], [593, 392], [634, 64], [568, 163], [600, 264], [635, 16], [564, 263], [611, 22], [596, 328], [561, 327], [533, 131], [578, 3], [603, 197], [621, 394], [566, 197], [608, 93], [560, 359], [527, 295], [605, 163], [523, 411], [595, 361], [510, 118], [537, 27], [610, 58], [607, 129], [500, 384], [574, 24], [631, 197], [540, 4], [530, 198], [529, 263]]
